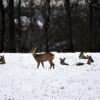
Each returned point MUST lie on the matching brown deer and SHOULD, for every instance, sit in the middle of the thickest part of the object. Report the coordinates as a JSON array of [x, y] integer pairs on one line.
[[62, 61], [2, 60], [40, 58], [81, 56], [89, 61]]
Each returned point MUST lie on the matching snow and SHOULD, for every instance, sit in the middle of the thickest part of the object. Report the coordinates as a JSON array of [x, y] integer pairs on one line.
[[21, 80], [40, 24]]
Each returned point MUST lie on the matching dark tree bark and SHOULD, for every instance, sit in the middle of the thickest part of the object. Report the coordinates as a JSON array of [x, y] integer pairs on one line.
[[19, 27], [68, 16], [3, 26], [46, 15], [93, 7], [91, 27], [12, 45]]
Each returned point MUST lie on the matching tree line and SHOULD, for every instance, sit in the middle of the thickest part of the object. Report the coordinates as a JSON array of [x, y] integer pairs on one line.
[[50, 25]]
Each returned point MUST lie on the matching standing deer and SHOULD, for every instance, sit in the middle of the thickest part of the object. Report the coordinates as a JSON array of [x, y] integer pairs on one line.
[[62, 61], [89, 61], [2, 60], [81, 56], [40, 58]]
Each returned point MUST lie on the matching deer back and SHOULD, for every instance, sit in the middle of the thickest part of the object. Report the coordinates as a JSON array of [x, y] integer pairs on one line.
[[43, 57], [79, 64]]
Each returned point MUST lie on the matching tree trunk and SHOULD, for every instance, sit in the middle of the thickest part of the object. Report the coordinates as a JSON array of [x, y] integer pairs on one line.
[[91, 27], [12, 45], [19, 27], [93, 38], [3, 25], [46, 16], [69, 20]]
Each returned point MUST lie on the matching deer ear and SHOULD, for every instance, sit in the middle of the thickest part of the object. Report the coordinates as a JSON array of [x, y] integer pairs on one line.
[[35, 48], [64, 58], [60, 58], [87, 56]]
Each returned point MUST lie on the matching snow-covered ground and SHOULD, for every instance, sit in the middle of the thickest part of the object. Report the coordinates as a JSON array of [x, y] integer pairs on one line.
[[21, 80]]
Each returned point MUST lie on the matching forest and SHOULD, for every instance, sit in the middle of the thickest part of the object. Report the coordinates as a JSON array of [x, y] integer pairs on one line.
[[50, 25]]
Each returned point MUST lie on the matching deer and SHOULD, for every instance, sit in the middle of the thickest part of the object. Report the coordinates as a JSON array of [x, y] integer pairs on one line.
[[89, 61], [2, 60], [41, 58], [81, 56], [62, 61]]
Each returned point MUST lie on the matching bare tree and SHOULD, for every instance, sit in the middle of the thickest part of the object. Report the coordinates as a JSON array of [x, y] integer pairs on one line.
[[3, 25], [12, 44], [19, 29], [46, 14], [93, 8], [68, 16]]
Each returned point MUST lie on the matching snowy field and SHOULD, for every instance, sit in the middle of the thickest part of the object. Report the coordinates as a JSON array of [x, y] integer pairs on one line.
[[21, 80]]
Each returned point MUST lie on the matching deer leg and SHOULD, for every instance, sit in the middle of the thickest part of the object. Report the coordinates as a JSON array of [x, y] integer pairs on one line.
[[53, 65], [50, 65], [42, 64], [38, 64]]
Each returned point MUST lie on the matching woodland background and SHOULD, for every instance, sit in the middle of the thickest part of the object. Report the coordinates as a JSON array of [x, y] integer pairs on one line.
[[50, 25]]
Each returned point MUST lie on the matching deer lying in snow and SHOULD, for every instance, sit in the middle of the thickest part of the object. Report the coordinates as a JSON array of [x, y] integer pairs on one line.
[[89, 61], [2, 60], [81, 56], [41, 58], [62, 61]]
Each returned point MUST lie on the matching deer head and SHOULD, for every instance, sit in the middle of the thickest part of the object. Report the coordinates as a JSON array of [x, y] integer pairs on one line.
[[90, 60], [81, 56], [2, 60], [62, 61]]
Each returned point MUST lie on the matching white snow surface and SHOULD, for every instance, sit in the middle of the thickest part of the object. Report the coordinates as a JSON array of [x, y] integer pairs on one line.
[[21, 80]]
